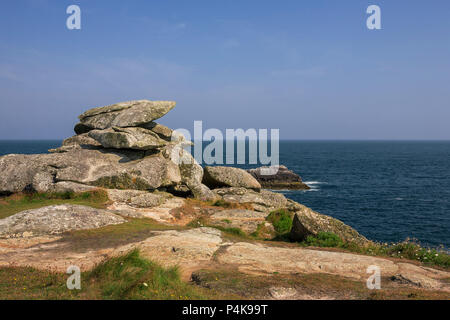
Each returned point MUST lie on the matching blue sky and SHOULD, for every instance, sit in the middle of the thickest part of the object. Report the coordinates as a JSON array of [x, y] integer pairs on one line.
[[309, 68]]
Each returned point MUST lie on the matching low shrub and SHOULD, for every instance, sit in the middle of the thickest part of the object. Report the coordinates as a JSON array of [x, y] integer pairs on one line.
[[325, 239], [281, 220]]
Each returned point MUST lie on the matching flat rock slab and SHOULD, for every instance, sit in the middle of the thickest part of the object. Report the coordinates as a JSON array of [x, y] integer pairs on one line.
[[246, 220], [137, 198], [54, 220], [161, 213], [127, 138], [186, 248], [257, 258], [125, 114]]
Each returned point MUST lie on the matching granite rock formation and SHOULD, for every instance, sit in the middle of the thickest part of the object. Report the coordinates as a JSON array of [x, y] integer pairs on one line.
[[283, 179]]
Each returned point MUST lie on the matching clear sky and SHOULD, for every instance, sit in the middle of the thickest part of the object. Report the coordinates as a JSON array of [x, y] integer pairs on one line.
[[309, 68]]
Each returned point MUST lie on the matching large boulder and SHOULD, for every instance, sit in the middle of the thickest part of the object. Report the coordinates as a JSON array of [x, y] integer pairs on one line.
[[128, 138], [124, 114], [278, 179], [55, 220], [218, 177], [308, 222], [79, 168], [119, 169]]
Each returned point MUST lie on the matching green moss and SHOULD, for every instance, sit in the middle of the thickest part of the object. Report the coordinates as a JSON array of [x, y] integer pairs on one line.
[[281, 220]]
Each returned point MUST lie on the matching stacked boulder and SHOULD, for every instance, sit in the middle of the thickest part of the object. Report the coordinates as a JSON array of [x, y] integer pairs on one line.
[[116, 147]]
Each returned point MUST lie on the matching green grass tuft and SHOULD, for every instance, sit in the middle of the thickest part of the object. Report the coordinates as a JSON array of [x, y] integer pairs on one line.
[[133, 277], [325, 239], [281, 220]]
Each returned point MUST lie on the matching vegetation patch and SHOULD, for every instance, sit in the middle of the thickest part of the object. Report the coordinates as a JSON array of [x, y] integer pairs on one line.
[[132, 277], [281, 220], [408, 249], [126, 277], [325, 239], [15, 203]]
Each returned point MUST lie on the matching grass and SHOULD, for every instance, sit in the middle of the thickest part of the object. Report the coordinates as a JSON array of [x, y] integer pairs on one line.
[[132, 277], [126, 277], [19, 202], [324, 239], [281, 220], [408, 249]]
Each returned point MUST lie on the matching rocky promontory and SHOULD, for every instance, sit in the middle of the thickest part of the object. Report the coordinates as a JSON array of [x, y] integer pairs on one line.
[[121, 148], [175, 212]]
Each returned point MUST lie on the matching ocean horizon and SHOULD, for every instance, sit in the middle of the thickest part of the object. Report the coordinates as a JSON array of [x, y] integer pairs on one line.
[[388, 190]]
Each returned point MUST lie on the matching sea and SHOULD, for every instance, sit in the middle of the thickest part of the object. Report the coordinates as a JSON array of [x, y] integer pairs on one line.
[[388, 191]]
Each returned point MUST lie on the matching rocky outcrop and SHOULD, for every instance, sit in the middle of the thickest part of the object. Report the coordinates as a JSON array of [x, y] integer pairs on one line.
[[124, 114], [113, 169], [218, 177], [280, 178], [305, 222], [308, 222], [54, 220], [119, 147]]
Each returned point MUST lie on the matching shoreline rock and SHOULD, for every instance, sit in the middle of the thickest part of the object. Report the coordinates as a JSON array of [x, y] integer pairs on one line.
[[218, 177], [284, 179]]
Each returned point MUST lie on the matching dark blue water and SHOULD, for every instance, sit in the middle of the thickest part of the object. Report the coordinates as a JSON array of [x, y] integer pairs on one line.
[[388, 191]]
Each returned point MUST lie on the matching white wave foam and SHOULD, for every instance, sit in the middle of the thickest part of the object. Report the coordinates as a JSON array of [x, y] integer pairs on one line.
[[314, 182]]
